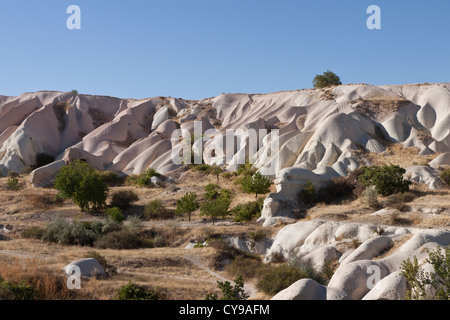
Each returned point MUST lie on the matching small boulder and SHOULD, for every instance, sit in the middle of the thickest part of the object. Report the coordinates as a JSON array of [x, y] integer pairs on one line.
[[89, 267]]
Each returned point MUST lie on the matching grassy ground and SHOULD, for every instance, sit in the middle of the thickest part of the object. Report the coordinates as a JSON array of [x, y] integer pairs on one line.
[[175, 272]]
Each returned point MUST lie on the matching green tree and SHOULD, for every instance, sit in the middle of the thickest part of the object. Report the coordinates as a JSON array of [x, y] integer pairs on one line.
[[386, 179], [216, 208], [257, 184], [80, 182], [187, 204], [326, 79]]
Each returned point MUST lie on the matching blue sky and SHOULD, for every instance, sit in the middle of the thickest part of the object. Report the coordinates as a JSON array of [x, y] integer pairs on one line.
[[197, 49]]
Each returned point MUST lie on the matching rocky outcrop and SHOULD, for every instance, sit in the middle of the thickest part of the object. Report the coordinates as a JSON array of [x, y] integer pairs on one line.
[[371, 271]]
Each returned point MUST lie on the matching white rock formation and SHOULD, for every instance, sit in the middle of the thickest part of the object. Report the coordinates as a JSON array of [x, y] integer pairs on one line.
[[89, 267]]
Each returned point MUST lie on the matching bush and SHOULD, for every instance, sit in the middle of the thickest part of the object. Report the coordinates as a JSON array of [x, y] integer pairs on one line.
[[336, 190], [144, 179], [80, 182], [132, 291], [423, 285], [13, 184], [43, 200], [75, 233], [230, 292], [370, 198], [19, 291], [187, 204], [214, 191], [33, 233], [110, 178], [247, 266], [120, 240], [42, 159], [123, 198], [257, 184], [327, 79], [115, 214], [156, 210], [308, 194], [283, 276], [248, 211], [445, 176], [386, 179]]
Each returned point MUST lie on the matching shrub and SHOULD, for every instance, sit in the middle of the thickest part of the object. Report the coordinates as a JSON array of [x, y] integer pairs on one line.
[[308, 194], [217, 208], [445, 176], [123, 198], [283, 276], [156, 210], [13, 184], [115, 214], [44, 200], [16, 291], [248, 211], [214, 191], [111, 178], [75, 233], [132, 291], [120, 240], [370, 198], [246, 169], [80, 182], [187, 204], [144, 179], [257, 184], [33, 233], [13, 174], [230, 292], [42, 159], [336, 190], [386, 179], [247, 266], [423, 285], [327, 79]]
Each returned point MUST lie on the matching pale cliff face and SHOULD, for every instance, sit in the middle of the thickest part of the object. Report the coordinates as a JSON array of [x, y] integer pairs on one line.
[[318, 130]]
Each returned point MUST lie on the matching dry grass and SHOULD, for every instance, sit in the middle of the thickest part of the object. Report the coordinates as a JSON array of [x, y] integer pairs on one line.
[[397, 154], [169, 269]]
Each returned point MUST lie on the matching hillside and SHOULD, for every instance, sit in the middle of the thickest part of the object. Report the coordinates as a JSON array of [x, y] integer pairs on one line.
[[314, 135]]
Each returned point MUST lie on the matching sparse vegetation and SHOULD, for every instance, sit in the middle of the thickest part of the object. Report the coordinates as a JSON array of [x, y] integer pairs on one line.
[[423, 285], [156, 210], [230, 292], [445, 176], [144, 179], [308, 194], [123, 198]]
